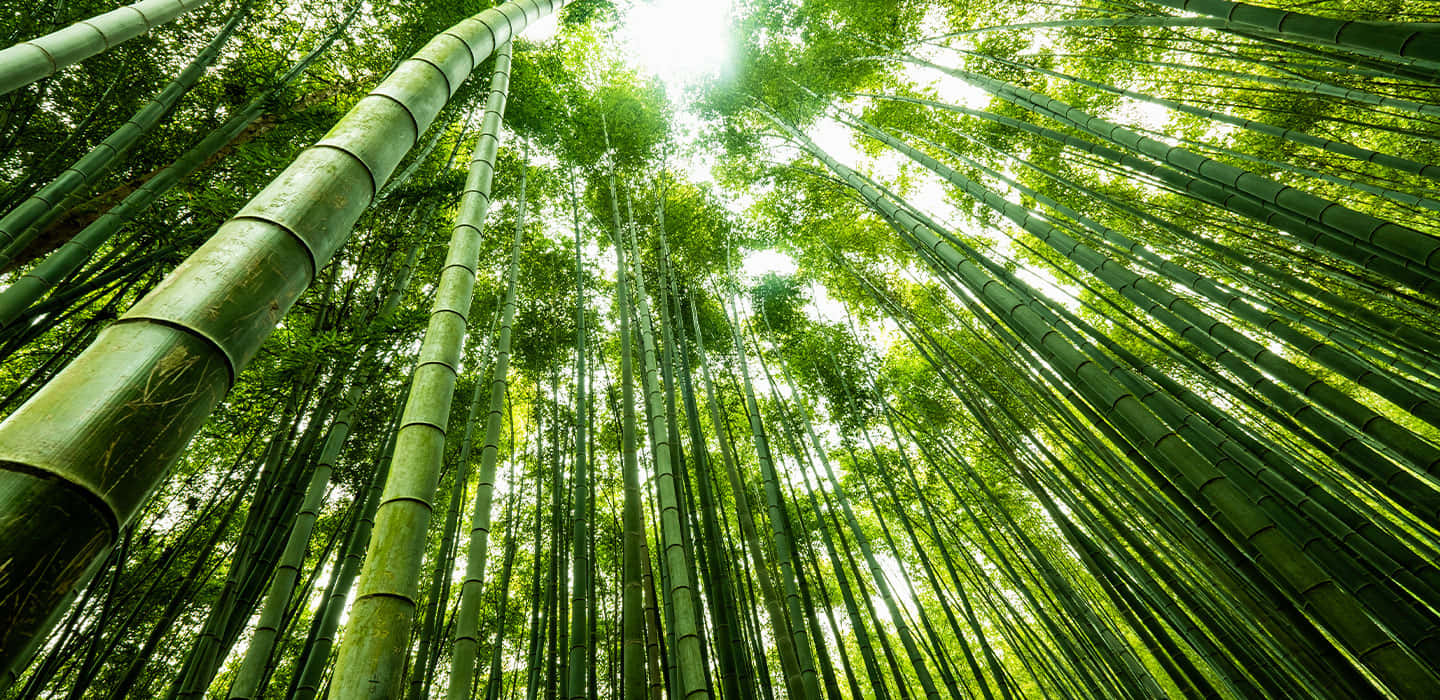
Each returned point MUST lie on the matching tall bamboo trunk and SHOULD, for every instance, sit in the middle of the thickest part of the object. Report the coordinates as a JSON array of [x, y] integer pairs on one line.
[[580, 602], [373, 651], [465, 648], [632, 621], [691, 676]]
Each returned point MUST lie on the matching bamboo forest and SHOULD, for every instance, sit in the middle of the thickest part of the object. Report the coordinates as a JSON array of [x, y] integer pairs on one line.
[[732, 349]]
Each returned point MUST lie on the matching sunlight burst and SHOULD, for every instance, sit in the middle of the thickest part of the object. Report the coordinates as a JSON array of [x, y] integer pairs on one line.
[[680, 41]]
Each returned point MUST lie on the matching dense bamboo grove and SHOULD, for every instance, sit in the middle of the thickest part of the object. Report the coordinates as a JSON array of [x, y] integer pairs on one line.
[[936, 350]]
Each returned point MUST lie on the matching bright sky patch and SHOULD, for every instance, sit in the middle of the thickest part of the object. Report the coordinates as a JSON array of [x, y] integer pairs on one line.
[[679, 41]]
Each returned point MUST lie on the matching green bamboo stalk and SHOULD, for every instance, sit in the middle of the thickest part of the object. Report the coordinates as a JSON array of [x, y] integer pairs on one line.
[[774, 607], [633, 648], [684, 497], [735, 670], [1299, 137], [532, 661], [29, 61], [1403, 42], [580, 539], [1296, 82], [1216, 21], [373, 650], [512, 542], [1406, 246], [428, 639], [551, 660], [691, 674], [465, 648]]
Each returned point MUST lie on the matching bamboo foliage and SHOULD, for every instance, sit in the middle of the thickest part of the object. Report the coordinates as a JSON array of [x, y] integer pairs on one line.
[[1098, 362]]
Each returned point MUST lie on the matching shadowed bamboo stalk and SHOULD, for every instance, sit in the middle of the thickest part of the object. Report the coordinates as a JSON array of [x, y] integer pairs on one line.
[[785, 555], [312, 664]]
